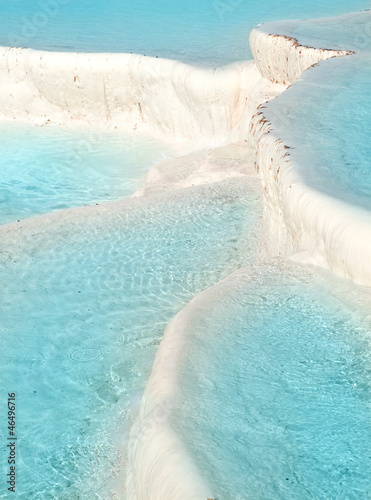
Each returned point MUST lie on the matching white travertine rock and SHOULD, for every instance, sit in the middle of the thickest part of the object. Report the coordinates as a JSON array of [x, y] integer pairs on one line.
[[158, 465], [324, 230], [180, 102], [281, 59], [303, 221], [124, 91]]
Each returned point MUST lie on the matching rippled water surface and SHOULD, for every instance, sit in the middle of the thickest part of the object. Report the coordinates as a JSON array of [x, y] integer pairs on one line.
[[84, 303], [275, 398]]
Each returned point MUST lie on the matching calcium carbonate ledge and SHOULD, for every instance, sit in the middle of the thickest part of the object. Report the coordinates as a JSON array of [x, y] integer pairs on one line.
[[282, 59], [278, 63], [159, 467], [125, 91], [315, 227]]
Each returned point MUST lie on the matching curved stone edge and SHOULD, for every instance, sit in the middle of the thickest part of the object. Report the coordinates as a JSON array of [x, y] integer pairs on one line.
[[325, 231], [315, 227], [123, 91], [282, 59], [159, 466]]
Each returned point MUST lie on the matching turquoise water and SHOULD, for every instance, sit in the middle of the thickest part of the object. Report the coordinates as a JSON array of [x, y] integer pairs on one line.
[[43, 169], [212, 32], [275, 389], [84, 303], [326, 117]]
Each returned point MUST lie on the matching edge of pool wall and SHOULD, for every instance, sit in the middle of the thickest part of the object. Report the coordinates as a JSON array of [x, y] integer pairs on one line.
[[128, 92], [303, 221], [159, 467]]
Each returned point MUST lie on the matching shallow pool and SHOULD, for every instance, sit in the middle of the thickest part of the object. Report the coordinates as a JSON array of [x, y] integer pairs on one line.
[[275, 388], [84, 302], [44, 169]]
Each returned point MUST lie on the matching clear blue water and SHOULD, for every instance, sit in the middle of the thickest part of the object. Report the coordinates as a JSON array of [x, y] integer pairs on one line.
[[212, 32], [43, 169], [275, 389], [84, 303], [326, 118]]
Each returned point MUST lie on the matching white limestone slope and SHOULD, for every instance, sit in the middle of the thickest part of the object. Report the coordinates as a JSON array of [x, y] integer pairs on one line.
[[124, 91], [282, 59], [307, 223]]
